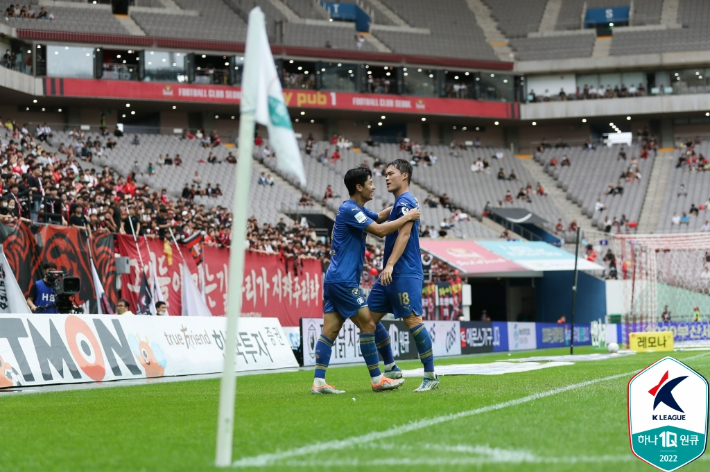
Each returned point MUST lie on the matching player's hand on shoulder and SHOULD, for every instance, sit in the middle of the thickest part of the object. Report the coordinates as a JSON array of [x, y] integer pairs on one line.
[[413, 214]]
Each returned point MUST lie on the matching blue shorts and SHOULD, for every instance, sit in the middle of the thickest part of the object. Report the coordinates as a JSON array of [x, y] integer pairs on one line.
[[342, 299], [401, 297]]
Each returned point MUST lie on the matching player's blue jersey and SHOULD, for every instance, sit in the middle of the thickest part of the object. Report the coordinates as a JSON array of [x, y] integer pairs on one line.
[[410, 263], [347, 248]]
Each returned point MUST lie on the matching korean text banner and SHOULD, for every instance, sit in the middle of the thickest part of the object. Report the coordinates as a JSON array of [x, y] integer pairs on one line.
[[53, 349], [273, 287]]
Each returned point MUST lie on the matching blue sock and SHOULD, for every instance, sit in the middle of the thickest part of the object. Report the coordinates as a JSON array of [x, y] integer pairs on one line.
[[382, 338], [369, 352], [324, 347], [424, 347]]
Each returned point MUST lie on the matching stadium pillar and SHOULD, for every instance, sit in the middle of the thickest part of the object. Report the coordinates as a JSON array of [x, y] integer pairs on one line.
[[667, 134], [511, 139], [73, 117], [331, 127], [208, 121], [446, 133]]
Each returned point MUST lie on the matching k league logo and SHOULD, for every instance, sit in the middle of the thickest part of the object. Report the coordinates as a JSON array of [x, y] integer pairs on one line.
[[668, 414]]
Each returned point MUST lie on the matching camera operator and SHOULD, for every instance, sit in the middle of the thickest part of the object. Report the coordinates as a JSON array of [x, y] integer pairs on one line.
[[42, 292]]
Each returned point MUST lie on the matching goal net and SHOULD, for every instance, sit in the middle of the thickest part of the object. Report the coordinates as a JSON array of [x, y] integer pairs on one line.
[[666, 284]]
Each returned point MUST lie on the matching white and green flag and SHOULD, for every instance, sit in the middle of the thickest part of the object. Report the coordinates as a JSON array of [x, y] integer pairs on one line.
[[262, 95]]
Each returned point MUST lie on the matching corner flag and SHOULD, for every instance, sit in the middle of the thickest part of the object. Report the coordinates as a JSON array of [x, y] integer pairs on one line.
[[262, 101], [261, 92]]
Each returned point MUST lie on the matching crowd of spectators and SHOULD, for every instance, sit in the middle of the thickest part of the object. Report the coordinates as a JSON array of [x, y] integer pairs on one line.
[[27, 12], [590, 92]]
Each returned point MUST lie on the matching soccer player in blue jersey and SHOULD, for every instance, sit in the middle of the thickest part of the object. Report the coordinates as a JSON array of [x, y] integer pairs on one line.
[[399, 288], [342, 298]]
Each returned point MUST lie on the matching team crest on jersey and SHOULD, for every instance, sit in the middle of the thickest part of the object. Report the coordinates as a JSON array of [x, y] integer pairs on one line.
[[356, 292], [405, 210]]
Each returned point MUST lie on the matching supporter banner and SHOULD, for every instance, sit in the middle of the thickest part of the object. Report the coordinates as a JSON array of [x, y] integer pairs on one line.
[[521, 336], [285, 289], [450, 301], [346, 349], [52, 349], [21, 252], [500, 336], [428, 301], [28, 247], [115, 89], [445, 337], [476, 337]]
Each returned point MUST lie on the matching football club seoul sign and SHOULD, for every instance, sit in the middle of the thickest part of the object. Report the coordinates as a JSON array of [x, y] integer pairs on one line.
[[668, 414]]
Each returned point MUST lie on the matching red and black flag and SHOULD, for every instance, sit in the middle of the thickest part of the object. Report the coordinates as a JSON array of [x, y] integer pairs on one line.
[[193, 242]]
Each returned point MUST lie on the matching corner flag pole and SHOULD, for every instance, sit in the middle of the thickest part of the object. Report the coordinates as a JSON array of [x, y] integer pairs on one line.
[[262, 102], [228, 387], [574, 293]]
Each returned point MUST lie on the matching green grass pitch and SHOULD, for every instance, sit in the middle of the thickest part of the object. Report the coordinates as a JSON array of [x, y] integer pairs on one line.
[[172, 426]]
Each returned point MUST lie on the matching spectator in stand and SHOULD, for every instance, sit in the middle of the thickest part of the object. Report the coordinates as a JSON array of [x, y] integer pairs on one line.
[[123, 307], [599, 206], [705, 227], [262, 179], [335, 156], [693, 210], [675, 219], [444, 201], [684, 220], [553, 162], [328, 193], [178, 161], [573, 226], [501, 174], [257, 140], [512, 176], [565, 162], [269, 181], [540, 191], [508, 197], [666, 315], [622, 154], [559, 227]]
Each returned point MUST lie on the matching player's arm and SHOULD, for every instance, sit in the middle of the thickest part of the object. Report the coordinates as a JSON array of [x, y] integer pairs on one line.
[[384, 215], [382, 230], [397, 251]]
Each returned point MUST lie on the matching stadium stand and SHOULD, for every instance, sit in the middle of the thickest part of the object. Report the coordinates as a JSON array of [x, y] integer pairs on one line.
[[472, 190], [338, 37], [570, 17], [687, 186], [453, 27], [691, 36], [517, 19], [431, 216], [306, 9], [587, 179], [216, 21], [89, 19], [554, 47]]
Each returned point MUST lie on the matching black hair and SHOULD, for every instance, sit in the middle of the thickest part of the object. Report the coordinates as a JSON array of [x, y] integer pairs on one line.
[[355, 177], [49, 266], [159, 304], [126, 302], [404, 167]]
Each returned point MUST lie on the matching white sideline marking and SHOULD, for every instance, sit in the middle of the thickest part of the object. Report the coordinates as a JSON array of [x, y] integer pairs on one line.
[[268, 459]]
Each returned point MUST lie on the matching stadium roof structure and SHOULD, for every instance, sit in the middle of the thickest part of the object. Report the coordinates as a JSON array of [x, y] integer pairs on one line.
[[473, 260], [518, 216]]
